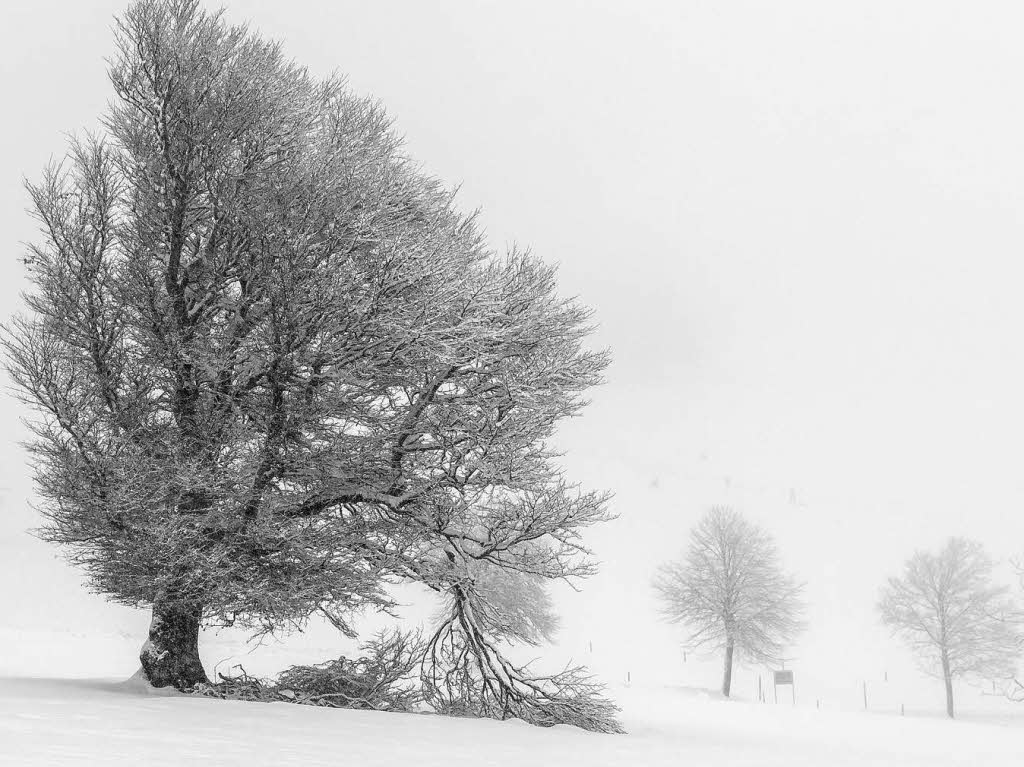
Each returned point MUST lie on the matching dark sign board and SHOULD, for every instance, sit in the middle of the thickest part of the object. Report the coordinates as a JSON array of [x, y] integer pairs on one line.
[[783, 677]]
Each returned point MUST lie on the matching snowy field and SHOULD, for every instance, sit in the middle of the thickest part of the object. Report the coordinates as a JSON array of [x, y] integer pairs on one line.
[[54, 718]]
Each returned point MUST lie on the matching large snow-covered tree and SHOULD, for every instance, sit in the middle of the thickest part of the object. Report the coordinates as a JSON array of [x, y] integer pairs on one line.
[[274, 368], [955, 619], [731, 593]]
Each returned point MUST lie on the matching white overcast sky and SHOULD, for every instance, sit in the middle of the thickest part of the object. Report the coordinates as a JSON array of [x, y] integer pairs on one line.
[[799, 223]]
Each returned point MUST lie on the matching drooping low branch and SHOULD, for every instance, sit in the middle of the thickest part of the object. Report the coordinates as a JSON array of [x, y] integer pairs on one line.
[[454, 673], [466, 674]]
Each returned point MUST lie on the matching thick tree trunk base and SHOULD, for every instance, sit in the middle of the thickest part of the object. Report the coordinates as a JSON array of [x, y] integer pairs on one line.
[[170, 656]]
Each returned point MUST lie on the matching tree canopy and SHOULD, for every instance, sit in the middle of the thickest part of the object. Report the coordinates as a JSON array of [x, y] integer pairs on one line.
[[274, 367]]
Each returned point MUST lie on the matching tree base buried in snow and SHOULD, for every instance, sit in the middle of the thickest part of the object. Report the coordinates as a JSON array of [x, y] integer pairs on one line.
[[400, 673]]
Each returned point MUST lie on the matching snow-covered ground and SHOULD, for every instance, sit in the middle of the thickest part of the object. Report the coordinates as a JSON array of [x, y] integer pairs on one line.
[[57, 718]]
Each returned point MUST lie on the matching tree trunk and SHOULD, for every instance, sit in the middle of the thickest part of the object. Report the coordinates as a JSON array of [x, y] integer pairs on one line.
[[170, 657], [727, 675], [947, 677]]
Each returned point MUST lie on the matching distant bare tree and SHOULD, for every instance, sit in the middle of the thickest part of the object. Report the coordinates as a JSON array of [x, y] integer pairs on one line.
[[731, 591], [951, 614]]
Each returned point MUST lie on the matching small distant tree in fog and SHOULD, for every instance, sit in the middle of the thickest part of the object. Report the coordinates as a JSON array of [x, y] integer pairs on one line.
[[953, 617], [731, 593]]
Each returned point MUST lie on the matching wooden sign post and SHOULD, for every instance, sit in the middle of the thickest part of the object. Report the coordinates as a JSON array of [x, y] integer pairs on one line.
[[784, 677]]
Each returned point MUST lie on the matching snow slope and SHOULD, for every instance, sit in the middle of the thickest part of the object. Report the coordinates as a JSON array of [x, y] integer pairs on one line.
[[51, 715], [63, 720], [80, 722]]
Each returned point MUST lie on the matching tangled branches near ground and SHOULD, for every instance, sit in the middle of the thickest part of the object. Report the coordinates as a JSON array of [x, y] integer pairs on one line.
[[241, 687], [457, 672], [465, 674], [382, 680]]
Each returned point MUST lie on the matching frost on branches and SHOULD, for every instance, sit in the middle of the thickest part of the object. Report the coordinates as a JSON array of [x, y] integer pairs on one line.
[[464, 672], [275, 369]]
